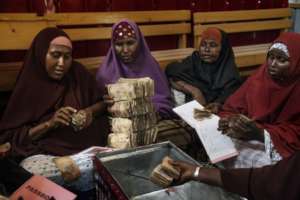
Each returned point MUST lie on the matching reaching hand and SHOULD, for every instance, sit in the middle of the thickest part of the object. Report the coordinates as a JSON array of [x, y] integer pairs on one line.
[[108, 101], [240, 127], [186, 170], [213, 107], [62, 117]]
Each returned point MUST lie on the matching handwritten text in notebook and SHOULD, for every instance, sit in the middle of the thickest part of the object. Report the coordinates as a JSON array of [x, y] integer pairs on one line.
[[217, 146]]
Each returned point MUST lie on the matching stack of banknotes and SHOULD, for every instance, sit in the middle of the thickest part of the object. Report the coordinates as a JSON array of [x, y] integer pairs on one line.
[[134, 118]]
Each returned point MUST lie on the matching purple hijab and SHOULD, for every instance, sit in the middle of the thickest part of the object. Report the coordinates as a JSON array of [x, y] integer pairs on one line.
[[144, 66]]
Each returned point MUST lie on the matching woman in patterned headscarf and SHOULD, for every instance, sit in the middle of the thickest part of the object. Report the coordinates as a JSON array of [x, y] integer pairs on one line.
[[130, 57]]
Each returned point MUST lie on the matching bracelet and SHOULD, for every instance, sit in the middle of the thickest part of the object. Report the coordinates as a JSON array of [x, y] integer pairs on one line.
[[196, 172]]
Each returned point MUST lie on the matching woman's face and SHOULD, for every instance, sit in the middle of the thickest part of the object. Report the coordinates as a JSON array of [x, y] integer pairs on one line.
[[126, 49], [58, 61], [278, 64], [209, 50]]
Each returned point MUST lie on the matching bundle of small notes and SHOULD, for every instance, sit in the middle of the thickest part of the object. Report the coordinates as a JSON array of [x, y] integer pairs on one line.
[[164, 174], [134, 118], [201, 114]]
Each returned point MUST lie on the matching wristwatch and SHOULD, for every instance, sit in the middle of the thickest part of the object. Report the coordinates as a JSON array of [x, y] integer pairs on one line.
[[196, 172]]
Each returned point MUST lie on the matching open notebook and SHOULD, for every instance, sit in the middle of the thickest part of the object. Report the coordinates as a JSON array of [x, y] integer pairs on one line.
[[217, 146]]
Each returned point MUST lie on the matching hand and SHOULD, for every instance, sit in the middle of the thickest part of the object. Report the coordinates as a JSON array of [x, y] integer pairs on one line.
[[196, 94], [62, 117], [88, 117], [213, 107], [241, 127], [186, 170], [108, 101], [178, 85], [223, 125], [4, 149]]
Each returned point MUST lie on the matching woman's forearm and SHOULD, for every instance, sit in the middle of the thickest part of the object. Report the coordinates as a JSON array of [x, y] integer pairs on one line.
[[97, 108], [211, 176], [40, 130]]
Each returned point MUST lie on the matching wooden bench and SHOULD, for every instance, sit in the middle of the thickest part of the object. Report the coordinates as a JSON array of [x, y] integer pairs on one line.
[[244, 21], [18, 30]]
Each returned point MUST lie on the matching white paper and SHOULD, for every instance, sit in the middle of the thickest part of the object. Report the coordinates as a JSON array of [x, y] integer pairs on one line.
[[217, 146]]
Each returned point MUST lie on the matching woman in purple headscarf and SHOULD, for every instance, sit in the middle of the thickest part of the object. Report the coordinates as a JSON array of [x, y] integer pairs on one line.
[[129, 57]]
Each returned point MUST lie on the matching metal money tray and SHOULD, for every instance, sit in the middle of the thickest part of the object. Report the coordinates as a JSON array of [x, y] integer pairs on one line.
[[131, 169]]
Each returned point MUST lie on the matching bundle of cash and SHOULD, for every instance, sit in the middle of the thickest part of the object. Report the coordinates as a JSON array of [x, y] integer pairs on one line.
[[201, 114], [128, 89], [135, 107], [146, 83], [134, 118], [78, 120], [119, 140], [144, 137], [164, 173], [133, 124]]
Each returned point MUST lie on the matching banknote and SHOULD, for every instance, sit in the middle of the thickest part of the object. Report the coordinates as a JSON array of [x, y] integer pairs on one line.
[[128, 89], [134, 124], [131, 108], [119, 140]]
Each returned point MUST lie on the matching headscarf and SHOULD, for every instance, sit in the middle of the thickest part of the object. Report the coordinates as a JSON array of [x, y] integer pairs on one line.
[[273, 105], [144, 66], [36, 97], [216, 80]]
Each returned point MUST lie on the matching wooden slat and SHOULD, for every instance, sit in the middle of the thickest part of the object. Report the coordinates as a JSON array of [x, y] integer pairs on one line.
[[166, 29], [81, 34], [113, 17], [19, 35], [294, 5], [246, 60], [247, 27], [243, 15], [19, 17]]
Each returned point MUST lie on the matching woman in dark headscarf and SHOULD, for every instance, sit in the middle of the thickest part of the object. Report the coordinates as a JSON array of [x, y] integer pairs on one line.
[[209, 75], [51, 89], [56, 109], [265, 109]]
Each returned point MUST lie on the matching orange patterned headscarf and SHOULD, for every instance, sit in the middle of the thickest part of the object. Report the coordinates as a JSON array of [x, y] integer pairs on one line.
[[212, 33]]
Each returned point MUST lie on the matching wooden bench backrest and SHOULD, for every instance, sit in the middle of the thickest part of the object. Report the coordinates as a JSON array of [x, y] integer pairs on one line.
[[242, 21], [18, 30]]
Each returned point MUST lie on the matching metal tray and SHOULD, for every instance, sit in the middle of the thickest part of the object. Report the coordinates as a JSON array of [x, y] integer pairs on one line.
[[131, 170]]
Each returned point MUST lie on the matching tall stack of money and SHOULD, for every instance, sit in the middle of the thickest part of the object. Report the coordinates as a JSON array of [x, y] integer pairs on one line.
[[133, 114]]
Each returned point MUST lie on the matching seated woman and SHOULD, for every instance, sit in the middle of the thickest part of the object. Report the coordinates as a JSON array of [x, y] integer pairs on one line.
[[56, 107], [209, 75], [263, 115], [130, 57]]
